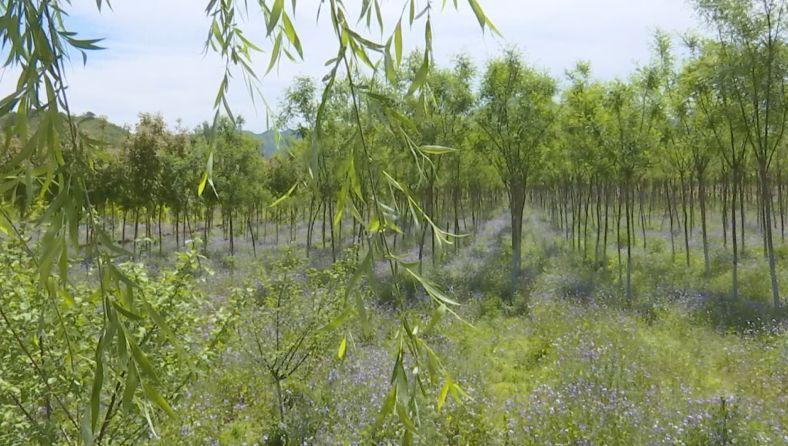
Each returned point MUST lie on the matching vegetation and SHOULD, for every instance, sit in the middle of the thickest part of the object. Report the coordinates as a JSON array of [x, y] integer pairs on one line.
[[436, 255]]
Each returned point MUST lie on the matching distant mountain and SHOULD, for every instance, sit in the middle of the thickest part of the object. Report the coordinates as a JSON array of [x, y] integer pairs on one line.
[[100, 128], [267, 140], [97, 127], [113, 135]]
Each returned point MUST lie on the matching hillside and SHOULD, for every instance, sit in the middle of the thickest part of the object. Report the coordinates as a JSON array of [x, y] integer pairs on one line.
[[95, 126], [102, 129], [268, 143]]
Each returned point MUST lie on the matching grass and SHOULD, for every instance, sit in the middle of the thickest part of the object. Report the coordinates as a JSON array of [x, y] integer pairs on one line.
[[591, 374], [562, 360]]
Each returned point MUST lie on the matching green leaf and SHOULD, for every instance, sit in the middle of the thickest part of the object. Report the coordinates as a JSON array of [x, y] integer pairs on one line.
[[132, 382], [388, 65], [479, 13], [128, 313], [98, 382], [87, 44], [421, 75], [342, 348], [431, 289], [374, 225], [139, 357], [86, 432], [217, 33], [386, 409], [283, 197], [273, 17], [221, 92], [398, 42], [341, 319], [437, 314], [444, 393], [203, 181], [402, 412], [378, 15], [206, 175], [341, 199], [275, 52], [457, 392], [155, 397], [53, 244], [359, 51], [364, 268], [436, 150], [292, 36], [484, 21], [428, 33]]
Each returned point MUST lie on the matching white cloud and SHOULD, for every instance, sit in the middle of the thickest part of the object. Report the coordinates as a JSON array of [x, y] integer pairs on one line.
[[154, 60]]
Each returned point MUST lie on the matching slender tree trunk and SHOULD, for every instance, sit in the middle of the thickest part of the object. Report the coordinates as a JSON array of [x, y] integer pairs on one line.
[[517, 196], [780, 203], [767, 203], [630, 229], [123, 229], [161, 211], [725, 189], [742, 215], [607, 212], [331, 229], [598, 209], [251, 234], [686, 218], [207, 227], [585, 224], [323, 228], [691, 200], [232, 232], [280, 399], [642, 215], [702, 202], [177, 230], [136, 231], [310, 225], [670, 193], [456, 205], [735, 273], [618, 236]]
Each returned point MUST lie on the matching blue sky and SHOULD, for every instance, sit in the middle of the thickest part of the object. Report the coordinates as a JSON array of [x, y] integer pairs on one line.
[[154, 60]]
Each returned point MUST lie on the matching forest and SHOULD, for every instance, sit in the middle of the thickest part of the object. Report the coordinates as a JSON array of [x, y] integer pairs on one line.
[[416, 253]]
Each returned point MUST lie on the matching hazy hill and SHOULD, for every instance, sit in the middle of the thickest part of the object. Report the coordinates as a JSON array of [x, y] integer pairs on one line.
[[114, 135], [97, 127], [102, 129], [268, 140]]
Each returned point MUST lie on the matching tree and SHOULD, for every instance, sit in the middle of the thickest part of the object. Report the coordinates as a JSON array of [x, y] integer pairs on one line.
[[697, 129], [144, 167], [581, 149], [629, 135], [516, 112], [285, 325], [754, 57], [238, 173]]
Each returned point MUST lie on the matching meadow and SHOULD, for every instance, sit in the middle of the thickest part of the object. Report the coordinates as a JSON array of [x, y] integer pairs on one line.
[[563, 359]]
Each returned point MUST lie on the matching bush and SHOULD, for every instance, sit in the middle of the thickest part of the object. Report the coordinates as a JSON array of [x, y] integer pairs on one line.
[[161, 319]]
